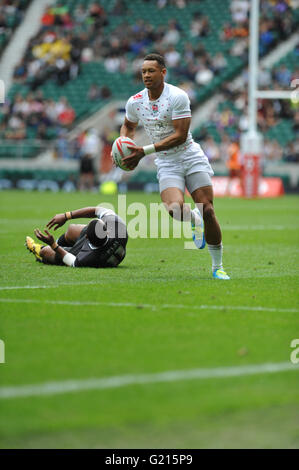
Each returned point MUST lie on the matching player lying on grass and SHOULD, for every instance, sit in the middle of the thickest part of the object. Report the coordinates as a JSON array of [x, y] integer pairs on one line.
[[100, 244], [164, 111]]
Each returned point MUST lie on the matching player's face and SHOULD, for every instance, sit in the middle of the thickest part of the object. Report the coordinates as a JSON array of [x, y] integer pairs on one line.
[[152, 74]]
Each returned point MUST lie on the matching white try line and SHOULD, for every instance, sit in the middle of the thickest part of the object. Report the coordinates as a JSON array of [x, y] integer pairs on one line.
[[80, 303], [73, 386]]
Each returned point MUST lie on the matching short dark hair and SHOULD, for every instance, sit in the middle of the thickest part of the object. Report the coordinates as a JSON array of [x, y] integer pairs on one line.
[[158, 57], [97, 232]]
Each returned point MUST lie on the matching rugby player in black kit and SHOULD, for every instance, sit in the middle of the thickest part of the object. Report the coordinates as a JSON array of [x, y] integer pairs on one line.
[[100, 244]]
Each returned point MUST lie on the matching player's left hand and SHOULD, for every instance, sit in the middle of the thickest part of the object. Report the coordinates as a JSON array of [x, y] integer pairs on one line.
[[48, 238], [132, 160]]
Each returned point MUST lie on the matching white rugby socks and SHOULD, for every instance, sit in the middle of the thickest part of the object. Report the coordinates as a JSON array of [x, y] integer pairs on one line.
[[216, 254]]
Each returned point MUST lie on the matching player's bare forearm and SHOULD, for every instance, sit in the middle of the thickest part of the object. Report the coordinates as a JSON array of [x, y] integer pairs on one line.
[[59, 219], [128, 129], [173, 140], [179, 136], [85, 212], [61, 252]]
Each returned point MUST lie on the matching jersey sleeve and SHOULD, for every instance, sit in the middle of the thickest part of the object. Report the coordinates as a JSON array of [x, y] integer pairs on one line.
[[130, 112], [102, 211], [181, 106]]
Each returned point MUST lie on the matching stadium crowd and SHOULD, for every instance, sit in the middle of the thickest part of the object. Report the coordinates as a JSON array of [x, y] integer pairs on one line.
[[231, 118], [69, 38], [11, 15], [34, 116]]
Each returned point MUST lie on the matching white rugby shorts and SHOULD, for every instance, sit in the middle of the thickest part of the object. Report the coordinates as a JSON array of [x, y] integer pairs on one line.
[[190, 169]]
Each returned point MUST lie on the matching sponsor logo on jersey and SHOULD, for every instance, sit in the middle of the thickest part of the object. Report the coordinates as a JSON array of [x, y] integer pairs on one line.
[[136, 97]]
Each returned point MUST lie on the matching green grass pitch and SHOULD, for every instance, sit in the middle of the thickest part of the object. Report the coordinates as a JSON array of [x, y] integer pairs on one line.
[[176, 318]]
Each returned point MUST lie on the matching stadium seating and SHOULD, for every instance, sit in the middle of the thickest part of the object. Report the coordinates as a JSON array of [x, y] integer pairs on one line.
[[12, 20], [282, 132], [123, 84]]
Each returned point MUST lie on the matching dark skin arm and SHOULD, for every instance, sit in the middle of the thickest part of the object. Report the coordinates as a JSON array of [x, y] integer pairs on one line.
[[59, 219], [49, 240], [178, 137]]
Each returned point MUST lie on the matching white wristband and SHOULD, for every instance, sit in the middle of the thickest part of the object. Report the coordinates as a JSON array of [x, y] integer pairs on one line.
[[149, 149], [69, 259]]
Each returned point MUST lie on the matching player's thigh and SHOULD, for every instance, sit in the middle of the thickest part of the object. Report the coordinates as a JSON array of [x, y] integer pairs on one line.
[[203, 195], [74, 231], [199, 185]]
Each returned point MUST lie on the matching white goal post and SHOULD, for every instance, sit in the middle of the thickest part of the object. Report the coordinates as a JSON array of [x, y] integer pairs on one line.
[[252, 140]]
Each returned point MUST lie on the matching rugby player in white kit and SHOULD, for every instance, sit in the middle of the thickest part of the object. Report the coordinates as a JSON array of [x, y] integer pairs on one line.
[[164, 111]]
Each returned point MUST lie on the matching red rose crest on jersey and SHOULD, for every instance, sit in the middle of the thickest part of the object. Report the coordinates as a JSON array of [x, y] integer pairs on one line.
[[136, 97], [155, 108]]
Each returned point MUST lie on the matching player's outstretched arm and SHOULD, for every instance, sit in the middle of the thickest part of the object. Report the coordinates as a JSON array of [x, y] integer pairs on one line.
[[47, 238], [59, 219]]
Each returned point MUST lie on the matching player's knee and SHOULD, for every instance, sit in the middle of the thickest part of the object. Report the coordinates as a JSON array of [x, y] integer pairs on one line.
[[69, 233], [208, 211], [176, 209]]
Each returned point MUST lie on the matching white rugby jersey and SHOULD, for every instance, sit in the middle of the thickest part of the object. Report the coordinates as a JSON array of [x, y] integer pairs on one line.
[[157, 116]]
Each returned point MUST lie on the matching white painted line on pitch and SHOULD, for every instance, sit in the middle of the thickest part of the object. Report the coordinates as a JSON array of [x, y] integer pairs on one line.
[[256, 227], [78, 385], [49, 287], [80, 303]]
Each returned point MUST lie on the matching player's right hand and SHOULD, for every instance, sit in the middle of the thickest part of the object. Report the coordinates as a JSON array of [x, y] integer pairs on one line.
[[57, 221]]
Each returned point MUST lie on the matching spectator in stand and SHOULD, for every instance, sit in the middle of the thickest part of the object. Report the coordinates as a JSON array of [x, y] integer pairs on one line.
[[94, 92], [172, 57], [218, 63], [283, 76], [119, 8], [172, 34], [11, 15], [20, 72], [211, 149], [240, 10], [65, 113], [200, 26], [264, 78], [291, 153], [204, 75], [233, 163], [62, 147]]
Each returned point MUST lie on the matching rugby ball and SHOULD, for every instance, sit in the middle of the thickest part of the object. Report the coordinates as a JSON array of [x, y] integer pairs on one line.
[[120, 150]]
